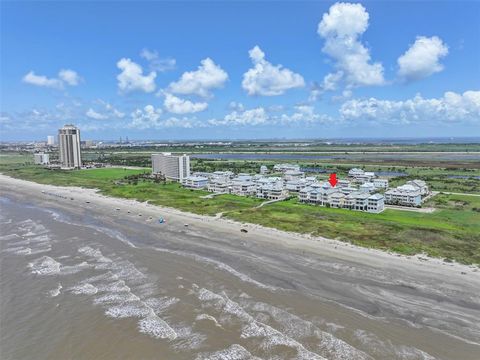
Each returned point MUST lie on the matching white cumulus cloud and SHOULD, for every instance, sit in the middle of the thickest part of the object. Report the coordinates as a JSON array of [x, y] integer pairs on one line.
[[92, 114], [256, 116], [65, 77], [108, 111], [69, 76], [156, 63], [177, 105], [131, 78], [342, 28], [148, 117], [267, 79], [200, 82], [422, 59], [451, 107]]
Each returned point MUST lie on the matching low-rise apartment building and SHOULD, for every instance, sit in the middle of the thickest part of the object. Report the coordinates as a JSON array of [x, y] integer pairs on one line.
[[41, 159], [380, 183], [219, 186], [332, 197], [419, 185], [271, 192], [244, 188], [355, 172], [376, 203], [286, 167], [195, 182], [367, 187], [291, 175], [405, 195]]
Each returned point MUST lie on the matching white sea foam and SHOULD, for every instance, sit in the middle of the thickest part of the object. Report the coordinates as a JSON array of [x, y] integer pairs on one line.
[[73, 269], [114, 287], [159, 305], [18, 250], [409, 353], [207, 317], [45, 266], [55, 292], [233, 352], [188, 339], [154, 326], [94, 253], [84, 289], [297, 328], [24, 251], [128, 310], [116, 298], [252, 328], [40, 238], [20, 243], [127, 271], [107, 276], [9, 237], [48, 266], [40, 249], [385, 349]]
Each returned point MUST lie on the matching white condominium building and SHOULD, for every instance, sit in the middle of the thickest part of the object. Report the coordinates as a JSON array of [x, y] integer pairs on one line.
[[360, 201], [173, 167], [405, 195], [419, 185], [50, 140], [380, 183], [41, 159], [286, 167], [219, 186], [195, 182], [69, 147]]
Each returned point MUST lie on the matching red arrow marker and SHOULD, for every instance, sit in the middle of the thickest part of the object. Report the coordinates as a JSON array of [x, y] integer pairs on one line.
[[333, 179]]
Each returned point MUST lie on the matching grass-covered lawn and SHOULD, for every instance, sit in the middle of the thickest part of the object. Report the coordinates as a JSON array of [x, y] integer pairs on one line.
[[107, 179], [174, 195], [452, 232], [92, 178]]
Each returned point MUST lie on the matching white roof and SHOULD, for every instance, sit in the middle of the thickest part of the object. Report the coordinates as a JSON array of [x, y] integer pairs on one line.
[[407, 188], [196, 178]]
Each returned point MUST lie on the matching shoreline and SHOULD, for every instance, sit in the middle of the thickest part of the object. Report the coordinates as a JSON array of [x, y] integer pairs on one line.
[[323, 246]]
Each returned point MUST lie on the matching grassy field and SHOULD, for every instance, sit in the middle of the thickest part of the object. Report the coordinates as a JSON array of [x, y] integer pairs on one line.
[[108, 179], [452, 232]]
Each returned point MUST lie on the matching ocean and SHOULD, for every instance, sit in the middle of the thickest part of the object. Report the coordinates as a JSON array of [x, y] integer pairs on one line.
[[78, 283]]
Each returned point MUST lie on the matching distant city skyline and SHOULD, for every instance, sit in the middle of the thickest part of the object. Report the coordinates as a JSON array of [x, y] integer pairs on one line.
[[241, 70]]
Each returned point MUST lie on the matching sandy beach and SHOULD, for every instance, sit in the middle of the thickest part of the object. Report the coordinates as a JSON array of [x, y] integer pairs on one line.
[[330, 247], [370, 303]]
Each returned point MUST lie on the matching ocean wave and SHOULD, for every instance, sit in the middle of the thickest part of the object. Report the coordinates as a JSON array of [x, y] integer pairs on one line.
[[84, 289], [155, 327], [233, 352], [55, 292]]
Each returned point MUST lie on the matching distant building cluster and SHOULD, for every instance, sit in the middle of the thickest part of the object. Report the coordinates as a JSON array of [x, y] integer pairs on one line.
[[410, 194], [362, 190]]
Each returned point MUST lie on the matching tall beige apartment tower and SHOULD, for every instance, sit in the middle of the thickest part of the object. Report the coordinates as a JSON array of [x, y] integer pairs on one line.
[[173, 167], [69, 147]]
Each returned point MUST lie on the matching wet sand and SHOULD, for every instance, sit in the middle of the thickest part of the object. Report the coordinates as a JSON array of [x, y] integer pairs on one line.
[[86, 281]]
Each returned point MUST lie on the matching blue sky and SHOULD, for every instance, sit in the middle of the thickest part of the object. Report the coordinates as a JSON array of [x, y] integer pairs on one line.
[[230, 70]]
